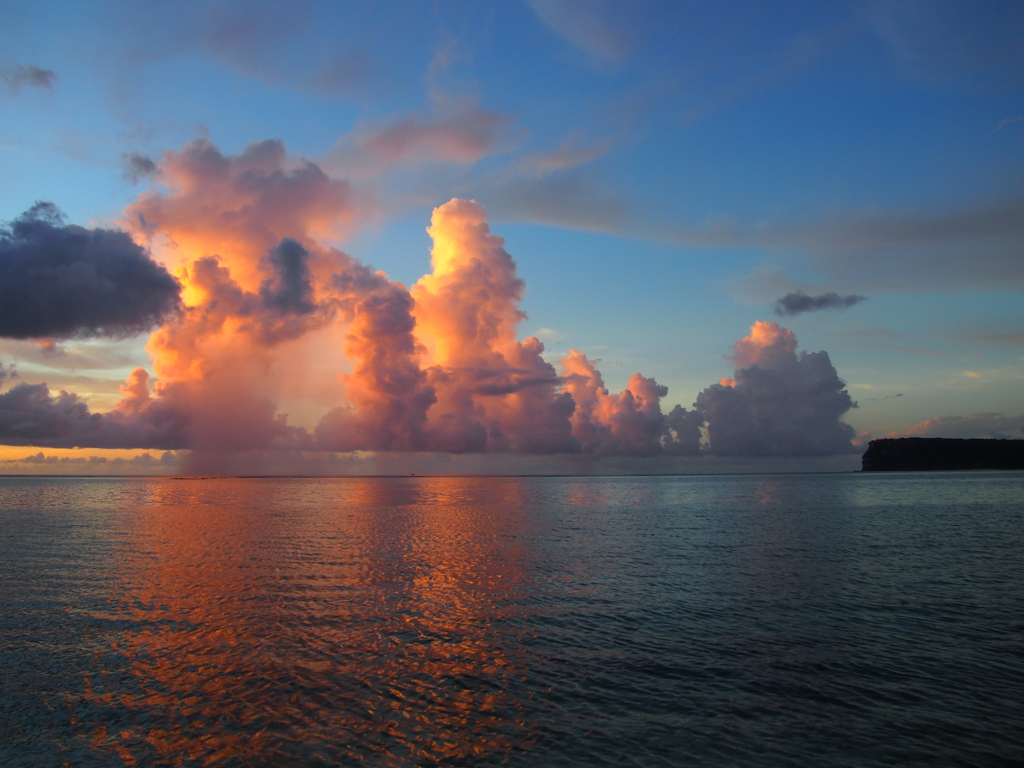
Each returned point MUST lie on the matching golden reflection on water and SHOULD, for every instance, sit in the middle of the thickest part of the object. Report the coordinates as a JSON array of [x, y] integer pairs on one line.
[[341, 619]]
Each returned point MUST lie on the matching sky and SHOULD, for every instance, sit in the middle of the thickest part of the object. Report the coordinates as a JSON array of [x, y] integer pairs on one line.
[[458, 237]]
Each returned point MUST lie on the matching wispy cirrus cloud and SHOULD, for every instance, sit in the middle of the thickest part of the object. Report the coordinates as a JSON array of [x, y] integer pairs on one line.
[[254, 37], [556, 189], [950, 42], [420, 139], [998, 338], [570, 154], [574, 200], [970, 247], [594, 27]]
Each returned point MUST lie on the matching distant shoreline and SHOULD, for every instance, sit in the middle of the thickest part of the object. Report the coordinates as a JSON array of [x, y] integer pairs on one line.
[[921, 454]]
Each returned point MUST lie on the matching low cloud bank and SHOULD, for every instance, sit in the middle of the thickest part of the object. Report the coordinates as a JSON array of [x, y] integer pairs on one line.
[[779, 402], [31, 415], [41, 463], [976, 425]]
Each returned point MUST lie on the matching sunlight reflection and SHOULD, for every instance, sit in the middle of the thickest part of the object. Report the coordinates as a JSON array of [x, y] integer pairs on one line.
[[384, 612]]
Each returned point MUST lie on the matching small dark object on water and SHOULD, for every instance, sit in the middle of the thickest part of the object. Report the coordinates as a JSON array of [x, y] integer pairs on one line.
[[913, 454]]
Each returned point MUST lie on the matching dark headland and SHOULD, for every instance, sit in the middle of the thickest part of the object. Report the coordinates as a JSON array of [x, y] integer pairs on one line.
[[905, 454]]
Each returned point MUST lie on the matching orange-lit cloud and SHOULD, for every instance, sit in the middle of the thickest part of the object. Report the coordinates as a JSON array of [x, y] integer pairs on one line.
[[435, 367], [239, 207], [246, 235]]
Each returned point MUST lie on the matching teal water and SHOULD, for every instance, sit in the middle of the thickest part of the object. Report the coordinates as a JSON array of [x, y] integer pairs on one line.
[[732, 620]]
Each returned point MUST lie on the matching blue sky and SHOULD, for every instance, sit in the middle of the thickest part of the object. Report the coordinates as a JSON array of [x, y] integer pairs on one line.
[[662, 172]]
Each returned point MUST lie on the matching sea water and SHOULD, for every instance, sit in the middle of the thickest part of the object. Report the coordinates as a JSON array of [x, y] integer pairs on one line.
[[857, 619]]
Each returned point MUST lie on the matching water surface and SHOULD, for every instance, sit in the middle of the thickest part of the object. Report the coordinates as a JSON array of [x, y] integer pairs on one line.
[[742, 620]]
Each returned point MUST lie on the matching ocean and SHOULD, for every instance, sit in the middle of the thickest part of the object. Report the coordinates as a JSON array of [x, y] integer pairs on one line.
[[755, 620]]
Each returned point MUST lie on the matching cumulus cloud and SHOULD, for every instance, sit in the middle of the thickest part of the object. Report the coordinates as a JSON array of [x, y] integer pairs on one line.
[[494, 392], [976, 425], [799, 302], [778, 402], [17, 76], [60, 280], [238, 207], [438, 367], [629, 423], [244, 232], [387, 390], [468, 308]]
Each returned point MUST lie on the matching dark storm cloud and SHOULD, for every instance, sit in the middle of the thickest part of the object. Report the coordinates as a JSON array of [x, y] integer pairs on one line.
[[60, 280], [291, 290], [28, 75], [799, 302], [138, 167]]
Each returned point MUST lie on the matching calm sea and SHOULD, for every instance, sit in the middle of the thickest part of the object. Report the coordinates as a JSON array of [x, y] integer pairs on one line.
[[855, 619]]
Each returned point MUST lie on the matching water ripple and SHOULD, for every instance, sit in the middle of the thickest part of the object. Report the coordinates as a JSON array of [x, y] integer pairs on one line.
[[759, 620]]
